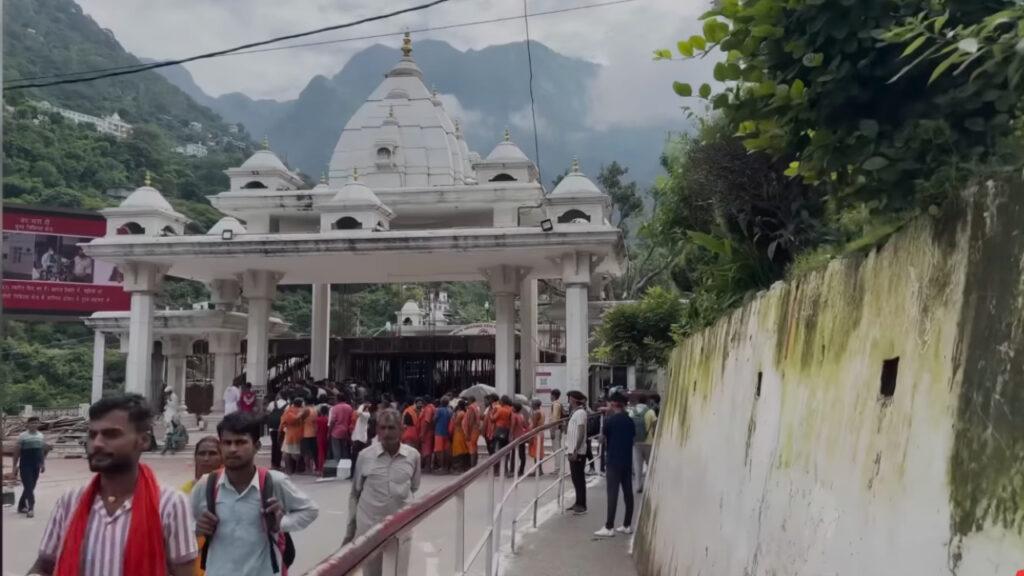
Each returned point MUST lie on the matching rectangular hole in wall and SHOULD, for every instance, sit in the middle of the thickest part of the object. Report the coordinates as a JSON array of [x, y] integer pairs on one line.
[[890, 369], [757, 390]]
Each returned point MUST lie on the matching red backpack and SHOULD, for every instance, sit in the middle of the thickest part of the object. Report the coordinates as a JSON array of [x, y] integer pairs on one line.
[[281, 542]]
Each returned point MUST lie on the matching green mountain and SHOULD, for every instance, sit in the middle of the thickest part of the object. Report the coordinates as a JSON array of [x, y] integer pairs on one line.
[[50, 160], [490, 83]]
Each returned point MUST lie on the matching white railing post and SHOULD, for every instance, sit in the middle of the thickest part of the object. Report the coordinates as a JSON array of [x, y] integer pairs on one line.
[[492, 537], [561, 482], [515, 502], [391, 558], [460, 532], [536, 478]]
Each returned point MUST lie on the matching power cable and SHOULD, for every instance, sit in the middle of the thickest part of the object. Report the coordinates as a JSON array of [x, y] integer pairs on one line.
[[140, 67], [226, 51], [533, 105]]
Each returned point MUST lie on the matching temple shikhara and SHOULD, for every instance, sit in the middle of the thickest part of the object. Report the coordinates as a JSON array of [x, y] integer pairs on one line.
[[404, 200]]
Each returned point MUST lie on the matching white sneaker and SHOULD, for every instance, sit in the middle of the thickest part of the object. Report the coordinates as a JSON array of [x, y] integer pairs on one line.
[[604, 533], [624, 529]]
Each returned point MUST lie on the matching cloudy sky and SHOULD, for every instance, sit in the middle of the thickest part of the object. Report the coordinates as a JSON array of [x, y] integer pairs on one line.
[[632, 89]]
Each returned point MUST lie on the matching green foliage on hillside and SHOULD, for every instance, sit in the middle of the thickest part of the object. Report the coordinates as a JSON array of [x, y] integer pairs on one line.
[[51, 161], [640, 332], [51, 37]]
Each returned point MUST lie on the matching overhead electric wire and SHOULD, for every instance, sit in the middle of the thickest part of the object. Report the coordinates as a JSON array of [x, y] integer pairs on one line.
[[226, 51], [144, 67], [533, 104]]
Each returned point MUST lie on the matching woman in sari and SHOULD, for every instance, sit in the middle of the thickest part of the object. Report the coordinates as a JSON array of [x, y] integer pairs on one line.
[[207, 459], [458, 431]]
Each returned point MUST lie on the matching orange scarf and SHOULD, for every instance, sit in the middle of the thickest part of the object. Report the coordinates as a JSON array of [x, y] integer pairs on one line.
[[144, 549]]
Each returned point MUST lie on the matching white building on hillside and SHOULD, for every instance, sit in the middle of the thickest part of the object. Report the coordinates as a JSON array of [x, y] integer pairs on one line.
[[111, 124], [192, 149], [406, 201]]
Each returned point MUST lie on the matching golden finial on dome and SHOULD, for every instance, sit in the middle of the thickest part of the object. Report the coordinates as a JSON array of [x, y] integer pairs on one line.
[[149, 179], [508, 135], [406, 45], [266, 142], [575, 165]]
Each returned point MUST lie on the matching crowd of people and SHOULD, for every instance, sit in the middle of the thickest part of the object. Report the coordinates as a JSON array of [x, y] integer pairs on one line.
[[235, 517]]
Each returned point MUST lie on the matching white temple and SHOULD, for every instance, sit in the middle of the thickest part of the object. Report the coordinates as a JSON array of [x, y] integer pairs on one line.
[[405, 201]]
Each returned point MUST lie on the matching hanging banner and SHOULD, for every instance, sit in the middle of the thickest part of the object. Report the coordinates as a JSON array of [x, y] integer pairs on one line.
[[46, 272]]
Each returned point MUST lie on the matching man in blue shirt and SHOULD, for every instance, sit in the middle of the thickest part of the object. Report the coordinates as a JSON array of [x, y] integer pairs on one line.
[[620, 434], [242, 526], [442, 438]]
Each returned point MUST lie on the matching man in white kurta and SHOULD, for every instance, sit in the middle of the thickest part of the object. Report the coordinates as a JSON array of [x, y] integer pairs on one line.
[[386, 476]]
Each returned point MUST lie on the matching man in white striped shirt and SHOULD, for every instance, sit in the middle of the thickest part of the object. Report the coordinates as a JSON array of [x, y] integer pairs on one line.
[[118, 434], [576, 449]]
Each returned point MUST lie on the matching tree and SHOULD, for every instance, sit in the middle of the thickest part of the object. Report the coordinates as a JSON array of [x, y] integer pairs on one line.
[[825, 88], [640, 332]]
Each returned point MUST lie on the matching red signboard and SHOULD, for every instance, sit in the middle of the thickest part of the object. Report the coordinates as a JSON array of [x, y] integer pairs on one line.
[[45, 271]]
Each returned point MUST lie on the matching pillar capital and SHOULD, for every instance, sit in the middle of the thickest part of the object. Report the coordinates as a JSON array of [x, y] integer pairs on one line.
[[224, 293], [176, 346], [224, 342], [260, 284], [576, 268], [142, 276], [505, 279]]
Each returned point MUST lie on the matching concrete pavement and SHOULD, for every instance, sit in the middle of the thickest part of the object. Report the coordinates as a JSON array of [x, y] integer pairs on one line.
[[565, 544]]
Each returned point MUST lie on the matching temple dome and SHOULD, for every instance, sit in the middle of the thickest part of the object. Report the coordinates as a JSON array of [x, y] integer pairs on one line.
[[401, 136], [411, 307], [264, 160], [355, 193], [226, 223], [507, 152], [147, 197], [576, 184]]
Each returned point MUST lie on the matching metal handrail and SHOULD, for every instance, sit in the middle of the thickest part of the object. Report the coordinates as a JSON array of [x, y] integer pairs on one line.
[[386, 537]]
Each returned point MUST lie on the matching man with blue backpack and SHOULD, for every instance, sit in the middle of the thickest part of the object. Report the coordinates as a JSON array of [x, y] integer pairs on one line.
[[644, 421], [247, 513]]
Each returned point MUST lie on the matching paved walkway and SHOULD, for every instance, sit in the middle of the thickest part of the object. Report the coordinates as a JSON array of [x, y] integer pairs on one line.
[[565, 544]]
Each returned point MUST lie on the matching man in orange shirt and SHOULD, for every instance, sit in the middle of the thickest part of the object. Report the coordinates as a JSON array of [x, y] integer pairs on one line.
[[501, 418], [292, 428], [411, 424]]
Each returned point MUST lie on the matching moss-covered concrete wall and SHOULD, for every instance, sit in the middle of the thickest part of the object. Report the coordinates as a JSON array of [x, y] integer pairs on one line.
[[822, 473]]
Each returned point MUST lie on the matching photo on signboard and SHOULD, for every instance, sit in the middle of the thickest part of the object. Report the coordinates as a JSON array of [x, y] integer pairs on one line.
[[80, 266]]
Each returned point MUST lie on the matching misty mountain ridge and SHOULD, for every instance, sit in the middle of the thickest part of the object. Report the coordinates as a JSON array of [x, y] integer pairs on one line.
[[491, 86]]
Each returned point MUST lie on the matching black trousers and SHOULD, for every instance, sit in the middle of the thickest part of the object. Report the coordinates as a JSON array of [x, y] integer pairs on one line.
[[499, 442], [579, 480], [357, 447], [522, 458], [275, 449], [590, 455], [619, 478], [29, 476]]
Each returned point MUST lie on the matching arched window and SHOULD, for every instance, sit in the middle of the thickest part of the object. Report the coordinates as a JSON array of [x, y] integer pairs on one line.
[[347, 223], [503, 178], [383, 154], [407, 321], [168, 231], [255, 184], [130, 228], [571, 215]]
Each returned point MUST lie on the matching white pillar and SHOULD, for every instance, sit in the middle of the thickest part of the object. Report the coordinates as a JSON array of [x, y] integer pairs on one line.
[[224, 347], [320, 331], [576, 277], [99, 356], [141, 280], [504, 282], [258, 288], [224, 293], [528, 352], [176, 349]]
